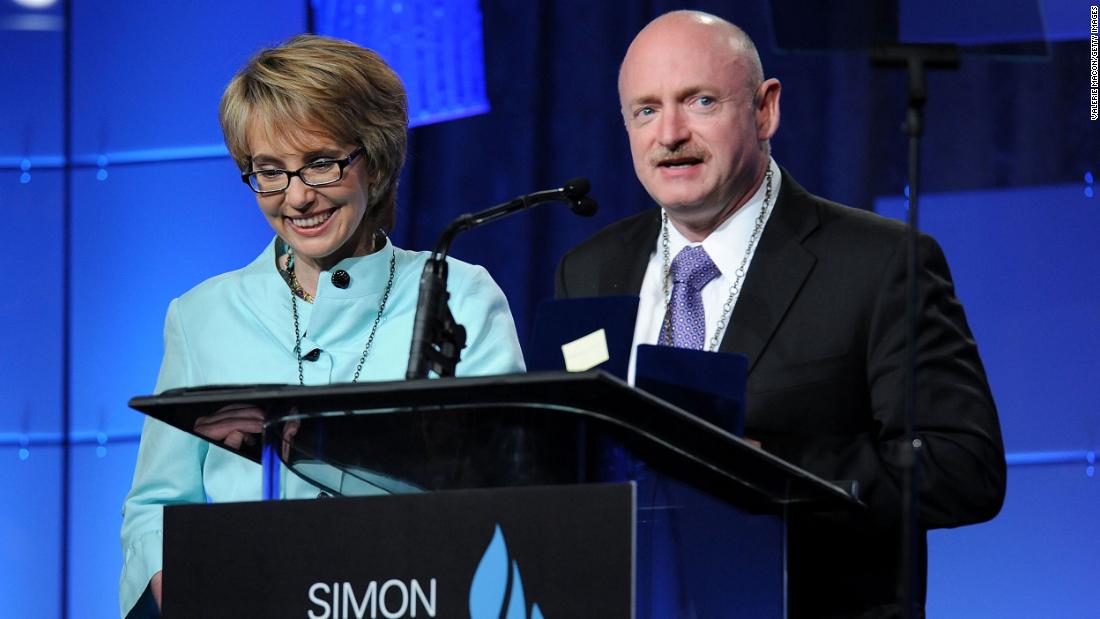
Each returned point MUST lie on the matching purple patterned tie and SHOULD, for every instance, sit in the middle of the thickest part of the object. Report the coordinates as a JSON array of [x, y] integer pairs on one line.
[[690, 271]]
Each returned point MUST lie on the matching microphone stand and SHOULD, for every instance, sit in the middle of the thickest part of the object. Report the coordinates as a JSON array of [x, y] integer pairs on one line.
[[438, 340], [916, 59]]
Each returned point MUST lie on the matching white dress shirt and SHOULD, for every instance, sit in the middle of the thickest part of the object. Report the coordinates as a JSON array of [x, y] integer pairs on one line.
[[726, 247]]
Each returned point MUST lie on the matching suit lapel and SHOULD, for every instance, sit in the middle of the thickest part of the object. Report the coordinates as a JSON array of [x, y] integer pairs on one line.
[[779, 268], [623, 270]]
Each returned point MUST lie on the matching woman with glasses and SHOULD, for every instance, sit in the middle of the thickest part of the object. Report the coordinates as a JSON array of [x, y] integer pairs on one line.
[[318, 129]]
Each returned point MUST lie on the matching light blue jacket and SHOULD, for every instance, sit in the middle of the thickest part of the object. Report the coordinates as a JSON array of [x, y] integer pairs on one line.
[[238, 328]]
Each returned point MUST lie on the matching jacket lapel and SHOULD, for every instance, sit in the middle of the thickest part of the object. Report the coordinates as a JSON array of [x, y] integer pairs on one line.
[[622, 271], [779, 268]]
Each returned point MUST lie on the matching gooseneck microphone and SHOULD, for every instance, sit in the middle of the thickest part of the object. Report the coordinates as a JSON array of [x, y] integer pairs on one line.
[[437, 340], [574, 192]]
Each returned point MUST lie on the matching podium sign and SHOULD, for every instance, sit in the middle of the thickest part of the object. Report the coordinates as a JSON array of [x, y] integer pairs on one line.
[[534, 552]]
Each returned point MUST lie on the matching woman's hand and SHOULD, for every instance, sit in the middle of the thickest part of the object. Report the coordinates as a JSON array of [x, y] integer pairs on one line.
[[232, 425], [155, 585], [290, 430]]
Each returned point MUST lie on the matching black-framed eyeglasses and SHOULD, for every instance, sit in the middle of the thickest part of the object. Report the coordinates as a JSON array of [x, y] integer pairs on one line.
[[316, 174]]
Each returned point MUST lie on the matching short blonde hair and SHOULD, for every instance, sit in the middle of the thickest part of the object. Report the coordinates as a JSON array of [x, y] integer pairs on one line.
[[316, 84]]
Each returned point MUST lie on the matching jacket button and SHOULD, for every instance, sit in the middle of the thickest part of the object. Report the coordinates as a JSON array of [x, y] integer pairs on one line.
[[341, 279]]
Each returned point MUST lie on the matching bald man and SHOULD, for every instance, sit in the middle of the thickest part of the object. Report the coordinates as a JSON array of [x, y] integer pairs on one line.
[[739, 258]]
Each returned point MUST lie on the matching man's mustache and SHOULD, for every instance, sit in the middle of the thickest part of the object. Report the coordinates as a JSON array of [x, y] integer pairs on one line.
[[682, 153]]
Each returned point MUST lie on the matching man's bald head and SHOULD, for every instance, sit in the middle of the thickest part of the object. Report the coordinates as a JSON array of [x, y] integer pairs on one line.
[[694, 27]]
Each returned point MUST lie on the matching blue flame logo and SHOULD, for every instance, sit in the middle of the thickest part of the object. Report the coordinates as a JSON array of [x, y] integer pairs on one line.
[[492, 582]]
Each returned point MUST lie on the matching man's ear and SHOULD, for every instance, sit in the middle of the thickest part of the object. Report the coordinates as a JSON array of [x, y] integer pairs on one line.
[[767, 109]]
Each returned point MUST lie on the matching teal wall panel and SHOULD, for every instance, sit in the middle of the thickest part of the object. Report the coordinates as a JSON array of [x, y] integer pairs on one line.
[[146, 79], [1037, 559], [146, 234], [32, 251], [100, 477], [1024, 265], [30, 531], [148, 75]]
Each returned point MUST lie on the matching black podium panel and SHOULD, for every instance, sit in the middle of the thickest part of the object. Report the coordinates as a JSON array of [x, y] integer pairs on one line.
[[522, 552]]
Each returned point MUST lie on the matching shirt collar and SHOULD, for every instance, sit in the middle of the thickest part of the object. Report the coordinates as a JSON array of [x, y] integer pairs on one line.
[[368, 274], [726, 245]]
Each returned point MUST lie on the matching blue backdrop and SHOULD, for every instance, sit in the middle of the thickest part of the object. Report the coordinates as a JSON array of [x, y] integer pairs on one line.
[[146, 205]]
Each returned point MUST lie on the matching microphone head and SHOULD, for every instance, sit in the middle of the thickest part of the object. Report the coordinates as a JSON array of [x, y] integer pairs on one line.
[[576, 188], [585, 207]]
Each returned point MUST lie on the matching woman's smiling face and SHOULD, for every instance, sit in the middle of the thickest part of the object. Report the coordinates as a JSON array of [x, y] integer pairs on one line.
[[322, 224]]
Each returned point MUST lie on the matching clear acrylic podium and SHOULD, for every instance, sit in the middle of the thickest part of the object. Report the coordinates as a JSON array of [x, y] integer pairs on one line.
[[711, 510]]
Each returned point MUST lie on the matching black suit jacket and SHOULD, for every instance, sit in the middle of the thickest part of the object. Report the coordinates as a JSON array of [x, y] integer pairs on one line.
[[821, 318]]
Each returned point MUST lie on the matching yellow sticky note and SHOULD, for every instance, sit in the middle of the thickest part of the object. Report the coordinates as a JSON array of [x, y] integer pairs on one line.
[[586, 353]]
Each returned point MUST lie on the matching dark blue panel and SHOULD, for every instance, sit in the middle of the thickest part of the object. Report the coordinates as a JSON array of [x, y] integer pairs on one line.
[[149, 75], [1039, 558], [30, 556], [1065, 19], [697, 556], [1025, 265], [434, 45], [137, 245], [31, 304], [993, 21], [100, 479], [978, 21]]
